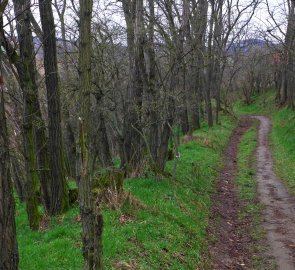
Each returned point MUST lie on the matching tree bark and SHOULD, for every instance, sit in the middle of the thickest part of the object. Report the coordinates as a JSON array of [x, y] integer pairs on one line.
[[91, 216], [18, 179], [69, 135], [32, 115], [153, 95], [289, 44], [133, 145], [58, 185], [30, 89], [8, 244], [209, 69]]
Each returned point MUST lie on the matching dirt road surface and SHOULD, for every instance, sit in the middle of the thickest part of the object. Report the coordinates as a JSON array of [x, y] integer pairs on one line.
[[279, 205], [229, 248]]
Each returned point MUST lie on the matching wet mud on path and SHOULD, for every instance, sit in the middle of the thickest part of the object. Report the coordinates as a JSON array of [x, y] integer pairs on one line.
[[229, 249]]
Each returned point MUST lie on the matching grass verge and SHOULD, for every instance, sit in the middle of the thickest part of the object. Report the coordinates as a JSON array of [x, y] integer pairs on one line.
[[167, 232]]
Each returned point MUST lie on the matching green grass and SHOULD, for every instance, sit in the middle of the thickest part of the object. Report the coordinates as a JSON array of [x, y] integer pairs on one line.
[[168, 232], [262, 104], [283, 145], [55, 248], [247, 185], [282, 140], [246, 168]]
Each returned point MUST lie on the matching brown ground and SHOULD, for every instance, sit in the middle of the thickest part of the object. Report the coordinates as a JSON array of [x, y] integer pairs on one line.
[[279, 211], [230, 248]]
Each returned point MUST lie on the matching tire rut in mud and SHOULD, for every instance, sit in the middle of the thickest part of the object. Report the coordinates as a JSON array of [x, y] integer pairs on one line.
[[229, 248]]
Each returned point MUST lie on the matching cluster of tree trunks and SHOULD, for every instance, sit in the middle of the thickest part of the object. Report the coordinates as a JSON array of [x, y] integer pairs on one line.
[[196, 55], [43, 167]]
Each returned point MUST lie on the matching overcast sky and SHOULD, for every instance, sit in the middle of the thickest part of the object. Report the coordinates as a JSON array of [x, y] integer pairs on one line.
[[261, 21], [277, 25]]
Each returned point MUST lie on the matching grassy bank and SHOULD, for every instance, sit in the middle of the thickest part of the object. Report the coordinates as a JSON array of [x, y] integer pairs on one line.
[[282, 136], [166, 231]]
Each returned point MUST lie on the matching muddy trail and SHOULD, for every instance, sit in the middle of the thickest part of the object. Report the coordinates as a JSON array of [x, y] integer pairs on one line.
[[229, 246], [279, 211]]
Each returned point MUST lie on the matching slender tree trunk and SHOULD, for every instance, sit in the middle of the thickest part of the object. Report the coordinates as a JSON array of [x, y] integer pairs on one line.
[[218, 58], [210, 66], [153, 95], [42, 155], [103, 143], [191, 80], [100, 145], [18, 179], [133, 144], [58, 186], [176, 64], [288, 87], [70, 145], [8, 243], [26, 70], [69, 135], [283, 88], [91, 216], [30, 89], [199, 26]]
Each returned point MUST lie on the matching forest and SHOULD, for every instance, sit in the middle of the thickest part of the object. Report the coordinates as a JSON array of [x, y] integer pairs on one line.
[[147, 134]]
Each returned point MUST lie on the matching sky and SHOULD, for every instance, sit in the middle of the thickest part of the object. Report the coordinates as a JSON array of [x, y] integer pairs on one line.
[[277, 25], [260, 23]]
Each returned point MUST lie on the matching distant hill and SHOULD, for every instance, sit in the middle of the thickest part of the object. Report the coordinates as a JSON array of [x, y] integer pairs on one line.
[[246, 45]]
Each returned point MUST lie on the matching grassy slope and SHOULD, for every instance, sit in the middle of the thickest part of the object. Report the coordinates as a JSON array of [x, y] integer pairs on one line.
[[168, 233], [282, 135]]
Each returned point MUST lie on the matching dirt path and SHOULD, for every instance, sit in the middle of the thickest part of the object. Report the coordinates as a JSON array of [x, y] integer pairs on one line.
[[229, 249], [279, 212]]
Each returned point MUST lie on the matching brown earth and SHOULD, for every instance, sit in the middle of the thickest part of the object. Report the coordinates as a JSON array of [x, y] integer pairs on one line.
[[229, 247]]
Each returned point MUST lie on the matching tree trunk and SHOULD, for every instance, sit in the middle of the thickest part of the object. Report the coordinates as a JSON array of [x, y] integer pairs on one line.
[[8, 243], [132, 131], [91, 216], [103, 143], [100, 147], [69, 135], [199, 26], [58, 185], [210, 67], [32, 114], [18, 179], [290, 56], [191, 71], [153, 96]]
